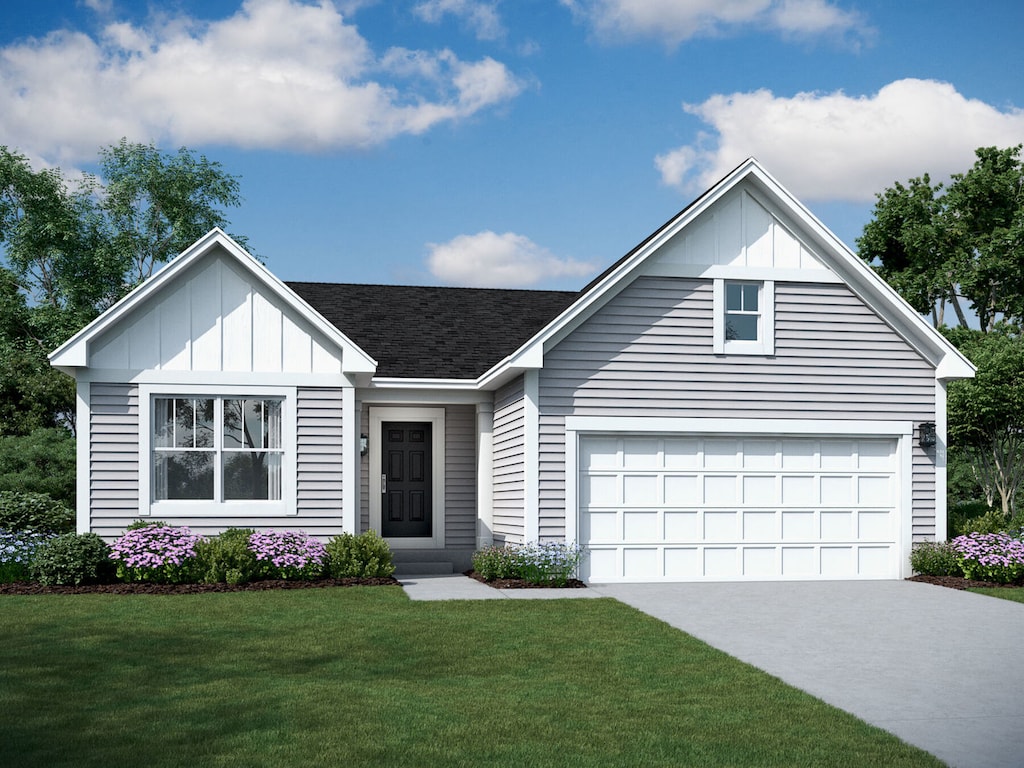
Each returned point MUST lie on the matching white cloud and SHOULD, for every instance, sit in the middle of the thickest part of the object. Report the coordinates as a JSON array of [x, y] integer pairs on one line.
[[673, 22], [838, 147], [278, 73], [481, 17], [490, 260]]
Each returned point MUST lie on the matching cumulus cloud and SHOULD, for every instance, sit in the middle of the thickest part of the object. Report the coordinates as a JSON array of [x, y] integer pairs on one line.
[[276, 74], [481, 17], [672, 22], [490, 260], [833, 146]]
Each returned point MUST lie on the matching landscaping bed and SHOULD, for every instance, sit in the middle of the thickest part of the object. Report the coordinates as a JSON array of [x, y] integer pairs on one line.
[[509, 583], [958, 582], [148, 588]]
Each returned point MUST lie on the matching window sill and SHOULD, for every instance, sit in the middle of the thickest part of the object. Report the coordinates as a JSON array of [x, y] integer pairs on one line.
[[160, 509]]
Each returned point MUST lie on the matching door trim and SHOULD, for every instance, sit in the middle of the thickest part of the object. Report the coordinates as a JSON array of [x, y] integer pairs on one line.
[[435, 417]]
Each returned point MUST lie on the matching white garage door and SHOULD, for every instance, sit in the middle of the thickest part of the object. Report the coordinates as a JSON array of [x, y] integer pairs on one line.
[[677, 508]]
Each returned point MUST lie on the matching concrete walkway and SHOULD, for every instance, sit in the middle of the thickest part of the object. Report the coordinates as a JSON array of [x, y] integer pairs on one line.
[[941, 669]]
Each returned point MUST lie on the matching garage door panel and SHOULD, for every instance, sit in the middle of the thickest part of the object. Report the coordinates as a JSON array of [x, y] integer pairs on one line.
[[681, 507]]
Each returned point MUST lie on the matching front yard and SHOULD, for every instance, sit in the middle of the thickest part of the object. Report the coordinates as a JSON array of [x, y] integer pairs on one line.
[[363, 676]]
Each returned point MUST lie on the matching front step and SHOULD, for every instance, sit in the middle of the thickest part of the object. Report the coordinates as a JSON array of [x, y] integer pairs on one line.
[[437, 568]]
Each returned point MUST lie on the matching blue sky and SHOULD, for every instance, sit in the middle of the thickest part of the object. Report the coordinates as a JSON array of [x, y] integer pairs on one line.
[[511, 143]]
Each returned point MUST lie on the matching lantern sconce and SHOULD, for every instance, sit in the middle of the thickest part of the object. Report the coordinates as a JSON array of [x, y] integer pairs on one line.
[[364, 445], [926, 434]]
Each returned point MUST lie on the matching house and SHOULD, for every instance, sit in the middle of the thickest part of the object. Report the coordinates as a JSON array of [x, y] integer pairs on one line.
[[739, 397]]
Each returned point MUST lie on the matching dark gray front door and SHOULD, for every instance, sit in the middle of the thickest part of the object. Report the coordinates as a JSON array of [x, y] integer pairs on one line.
[[405, 484]]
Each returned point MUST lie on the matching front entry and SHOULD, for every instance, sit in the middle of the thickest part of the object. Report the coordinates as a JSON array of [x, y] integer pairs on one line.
[[406, 473]]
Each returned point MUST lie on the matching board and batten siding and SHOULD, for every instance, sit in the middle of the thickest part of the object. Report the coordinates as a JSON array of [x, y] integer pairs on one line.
[[509, 474], [648, 352], [113, 457]]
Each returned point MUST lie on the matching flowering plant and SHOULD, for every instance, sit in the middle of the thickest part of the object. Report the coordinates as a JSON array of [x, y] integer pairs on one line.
[[288, 554], [160, 553], [551, 564], [17, 550], [991, 556]]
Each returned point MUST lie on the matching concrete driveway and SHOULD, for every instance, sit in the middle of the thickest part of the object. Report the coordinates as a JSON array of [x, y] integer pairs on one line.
[[941, 669]]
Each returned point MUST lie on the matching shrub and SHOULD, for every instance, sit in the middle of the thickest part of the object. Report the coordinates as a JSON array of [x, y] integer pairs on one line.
[[288, 554], [226, 558], [364, 556], [935, 558], [550, 564], [22, 511], [991, 521], [72, 559], [17, 551], [991, 557], [162, 554], [961, 514], [42, 461]]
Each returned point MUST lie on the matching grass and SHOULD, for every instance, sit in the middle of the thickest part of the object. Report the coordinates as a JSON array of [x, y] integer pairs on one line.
[[1006, 593], [365, 677]]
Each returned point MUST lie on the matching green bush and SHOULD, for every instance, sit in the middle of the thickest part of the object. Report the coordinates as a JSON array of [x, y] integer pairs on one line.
[[496, 562], [961, 514], [72, 559], [226, 558], [991, 521], [364, 556], [22, 511], [551, 564], [935, 558], [42, 461]]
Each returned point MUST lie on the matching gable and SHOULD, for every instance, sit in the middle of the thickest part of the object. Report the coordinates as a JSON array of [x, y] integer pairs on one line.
[[215, 318]]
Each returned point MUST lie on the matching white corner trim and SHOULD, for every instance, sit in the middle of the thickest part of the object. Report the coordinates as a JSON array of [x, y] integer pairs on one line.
[[286, 506], [941, 467], [531, 456], [484, 475], [905, 477], [572, 482], [83, 456], [436, 418]]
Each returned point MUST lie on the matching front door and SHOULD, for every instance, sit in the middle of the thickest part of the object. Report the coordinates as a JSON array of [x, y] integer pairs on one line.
[[405, 479]]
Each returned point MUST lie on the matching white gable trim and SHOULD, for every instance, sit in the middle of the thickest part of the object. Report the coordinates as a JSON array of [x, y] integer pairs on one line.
[[862, 280], [74, 353]]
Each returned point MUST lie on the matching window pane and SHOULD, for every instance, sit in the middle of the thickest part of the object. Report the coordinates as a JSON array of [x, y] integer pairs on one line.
[[252, 424], [252, 475], [272, 411], [163, 422], [741, 327], [750, 298], [183, 475], [733, 296]]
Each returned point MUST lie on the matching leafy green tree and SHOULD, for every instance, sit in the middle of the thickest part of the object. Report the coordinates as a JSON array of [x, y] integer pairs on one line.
[[953, 246], [986, 413]]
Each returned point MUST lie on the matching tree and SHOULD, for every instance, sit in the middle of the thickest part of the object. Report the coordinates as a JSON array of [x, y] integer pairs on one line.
[[946, 247], [73, 249], [986, 413]]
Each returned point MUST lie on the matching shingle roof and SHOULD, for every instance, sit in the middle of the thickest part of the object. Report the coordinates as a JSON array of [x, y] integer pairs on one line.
[[427, 332]]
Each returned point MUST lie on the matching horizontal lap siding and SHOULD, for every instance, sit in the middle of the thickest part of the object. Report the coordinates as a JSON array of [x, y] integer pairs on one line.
[[113, 457], [509, 479], [319, 460], [649, 352], [460, 477]]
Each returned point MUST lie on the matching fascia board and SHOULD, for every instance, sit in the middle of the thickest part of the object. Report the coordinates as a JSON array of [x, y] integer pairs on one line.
[[881, 297], [74, 352]]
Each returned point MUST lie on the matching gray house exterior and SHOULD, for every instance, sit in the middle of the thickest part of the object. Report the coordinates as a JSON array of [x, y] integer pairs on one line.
[[738, 398]]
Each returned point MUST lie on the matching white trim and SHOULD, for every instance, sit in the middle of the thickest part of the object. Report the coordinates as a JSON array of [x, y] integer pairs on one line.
[[413, 383], [350, 461], [374, 394], [740, 426], [436, 417], [83, 456], [484, 474], [572, 484], [531, 456], [727, 272], [905, 477], [286, 506], [765, 345], [229, 379], [941, 466]]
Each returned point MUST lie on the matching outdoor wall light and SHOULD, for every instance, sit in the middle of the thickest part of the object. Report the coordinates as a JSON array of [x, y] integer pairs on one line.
[[364, 445], [926, 434]]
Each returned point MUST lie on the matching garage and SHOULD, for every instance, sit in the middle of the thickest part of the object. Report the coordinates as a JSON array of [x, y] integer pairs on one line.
[[682, 507]]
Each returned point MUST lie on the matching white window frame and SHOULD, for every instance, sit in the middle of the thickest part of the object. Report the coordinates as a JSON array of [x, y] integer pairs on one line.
[[170, 508], [765, 343]]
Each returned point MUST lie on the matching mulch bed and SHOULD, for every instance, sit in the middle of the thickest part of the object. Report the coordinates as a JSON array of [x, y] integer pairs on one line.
[[957, 582], [521, 583], [31, 588]]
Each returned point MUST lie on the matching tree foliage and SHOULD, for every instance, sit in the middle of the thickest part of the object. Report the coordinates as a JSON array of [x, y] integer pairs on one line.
[[955, 246], [72, 249]]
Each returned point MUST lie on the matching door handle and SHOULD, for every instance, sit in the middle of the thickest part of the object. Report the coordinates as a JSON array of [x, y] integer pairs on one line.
[[383, 484]]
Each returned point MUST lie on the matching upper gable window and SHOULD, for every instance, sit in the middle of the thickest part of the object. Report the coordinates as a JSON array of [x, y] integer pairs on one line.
[[744, 321]]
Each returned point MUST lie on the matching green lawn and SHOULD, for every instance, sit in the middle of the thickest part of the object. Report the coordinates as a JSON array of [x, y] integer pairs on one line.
[[365, 677], [1006, 593]]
